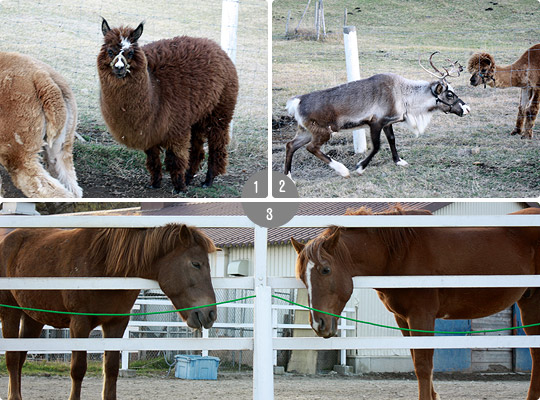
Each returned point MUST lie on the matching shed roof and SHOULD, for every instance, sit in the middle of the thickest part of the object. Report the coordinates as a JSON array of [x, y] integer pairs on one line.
[[233, 237]]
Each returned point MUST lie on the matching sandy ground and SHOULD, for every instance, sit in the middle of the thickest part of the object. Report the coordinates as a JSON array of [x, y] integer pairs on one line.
[[287, 387]]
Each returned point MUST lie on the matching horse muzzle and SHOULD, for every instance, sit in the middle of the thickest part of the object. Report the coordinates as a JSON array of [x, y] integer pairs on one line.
[[325, 326], [201, 318]]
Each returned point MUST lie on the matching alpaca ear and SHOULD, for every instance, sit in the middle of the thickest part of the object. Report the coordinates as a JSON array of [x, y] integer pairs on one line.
[[136, 34], [297, 245], [105, 28]]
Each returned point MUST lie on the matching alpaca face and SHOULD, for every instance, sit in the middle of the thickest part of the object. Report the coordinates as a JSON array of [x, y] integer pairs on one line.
[[482, 68], [120, 48]]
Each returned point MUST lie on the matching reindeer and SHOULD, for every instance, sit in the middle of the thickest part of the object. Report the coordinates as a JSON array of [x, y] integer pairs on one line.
[[524, 73], [379, 102]]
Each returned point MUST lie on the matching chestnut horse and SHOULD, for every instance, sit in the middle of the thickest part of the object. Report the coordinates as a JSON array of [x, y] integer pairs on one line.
[[174, 255], [328, 263]]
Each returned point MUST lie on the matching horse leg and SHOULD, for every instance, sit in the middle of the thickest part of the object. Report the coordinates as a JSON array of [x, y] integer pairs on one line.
[[153, 165], [389, 132], [531, 112], [530, 314], [320, 137], [524, 99], [112, 329], [375, 133], [422, 358], [302, 138], [10, 329], [79, 327]]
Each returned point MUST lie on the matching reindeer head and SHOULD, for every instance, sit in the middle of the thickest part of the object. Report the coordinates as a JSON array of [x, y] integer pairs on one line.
[[445, 98], [482, 68], [120, 51]]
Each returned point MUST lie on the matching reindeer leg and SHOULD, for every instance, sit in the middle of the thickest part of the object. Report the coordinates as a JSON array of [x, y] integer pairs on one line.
[[531, 112], [153, 165], [320, 137], [302, 138], [375, 132], [524, 99], [389, 132]]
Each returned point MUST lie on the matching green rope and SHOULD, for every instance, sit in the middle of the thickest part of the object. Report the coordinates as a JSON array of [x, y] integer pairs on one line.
[[404, 329], [124, 315]]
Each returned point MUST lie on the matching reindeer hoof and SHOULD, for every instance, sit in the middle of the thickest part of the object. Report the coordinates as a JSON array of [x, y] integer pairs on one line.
[[402, 163], [341, 169], [515, 132], [360, 170]]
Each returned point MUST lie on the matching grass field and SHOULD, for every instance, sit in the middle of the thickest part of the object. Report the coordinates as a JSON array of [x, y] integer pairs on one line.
[[67, 35], [467, 157]]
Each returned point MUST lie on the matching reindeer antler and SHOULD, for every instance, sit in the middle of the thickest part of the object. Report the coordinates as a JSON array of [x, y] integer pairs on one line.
[[456, 67]]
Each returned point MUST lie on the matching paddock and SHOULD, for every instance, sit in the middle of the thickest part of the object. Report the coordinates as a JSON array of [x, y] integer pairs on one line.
[[262, 383], [473, 156]]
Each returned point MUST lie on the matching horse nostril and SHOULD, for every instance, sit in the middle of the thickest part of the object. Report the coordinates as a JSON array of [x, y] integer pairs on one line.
[[321, 324], [212, 315]]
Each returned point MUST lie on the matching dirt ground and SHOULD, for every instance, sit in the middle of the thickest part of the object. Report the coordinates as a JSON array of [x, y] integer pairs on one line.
[[287, 387]]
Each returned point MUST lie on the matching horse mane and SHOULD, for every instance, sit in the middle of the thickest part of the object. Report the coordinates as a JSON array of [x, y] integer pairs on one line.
[[396, 240], [131, 252]]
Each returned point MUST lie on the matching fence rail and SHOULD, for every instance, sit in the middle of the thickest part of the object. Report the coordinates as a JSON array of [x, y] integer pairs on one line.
[[263, 344]]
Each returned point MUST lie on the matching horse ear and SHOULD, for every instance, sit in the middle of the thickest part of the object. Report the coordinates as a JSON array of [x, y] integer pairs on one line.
[[105, 28], [297, 245], [185, 234], [136, 34], [332, 241]]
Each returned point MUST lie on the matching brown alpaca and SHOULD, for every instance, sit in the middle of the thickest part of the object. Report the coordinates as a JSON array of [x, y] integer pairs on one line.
[[173, 94], [37, 113], [524, 73]]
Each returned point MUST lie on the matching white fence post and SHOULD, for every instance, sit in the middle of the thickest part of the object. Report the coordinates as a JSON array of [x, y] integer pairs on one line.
[[263, 374], [229, 28], [353, 74]]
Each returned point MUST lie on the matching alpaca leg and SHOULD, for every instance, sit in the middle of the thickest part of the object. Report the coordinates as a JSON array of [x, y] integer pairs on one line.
[[531, 113], [111, 361], [34, 181], [218, 139], [524, 99], [153, 165], [176, 164], [196, 156]]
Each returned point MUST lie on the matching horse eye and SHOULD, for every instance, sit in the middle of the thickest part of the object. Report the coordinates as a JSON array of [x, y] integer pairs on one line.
[[195, 264], [325, 270]]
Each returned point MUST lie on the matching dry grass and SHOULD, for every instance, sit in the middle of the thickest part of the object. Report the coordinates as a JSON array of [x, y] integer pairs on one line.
[[457, 157]]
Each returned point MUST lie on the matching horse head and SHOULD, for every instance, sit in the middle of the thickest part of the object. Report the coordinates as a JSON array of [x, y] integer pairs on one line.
[[322, 266], [184, 276]]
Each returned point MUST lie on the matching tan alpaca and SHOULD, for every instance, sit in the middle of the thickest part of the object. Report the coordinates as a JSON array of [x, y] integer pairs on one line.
[[524, 73], [38, 114]]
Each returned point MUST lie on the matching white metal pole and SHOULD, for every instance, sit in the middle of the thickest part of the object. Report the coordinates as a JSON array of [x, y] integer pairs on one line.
[[263, 374], [353, 74], [229, 29]]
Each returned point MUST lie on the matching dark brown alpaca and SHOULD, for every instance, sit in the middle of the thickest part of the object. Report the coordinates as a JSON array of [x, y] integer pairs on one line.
[[523, 73], [173, 94]]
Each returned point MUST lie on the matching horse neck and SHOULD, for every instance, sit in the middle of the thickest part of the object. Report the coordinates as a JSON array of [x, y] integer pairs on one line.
[[368, 253]]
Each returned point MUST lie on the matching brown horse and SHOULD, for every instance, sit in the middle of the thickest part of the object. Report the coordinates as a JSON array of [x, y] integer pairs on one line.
[[328, 263], [174, 255]]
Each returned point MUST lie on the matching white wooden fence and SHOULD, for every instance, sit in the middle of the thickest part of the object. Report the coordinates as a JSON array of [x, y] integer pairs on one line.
[[263, 343]]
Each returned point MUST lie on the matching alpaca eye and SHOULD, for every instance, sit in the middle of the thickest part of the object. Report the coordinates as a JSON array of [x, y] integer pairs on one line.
[[110, 53], [130, 54], [195, 264], [325, 270]]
